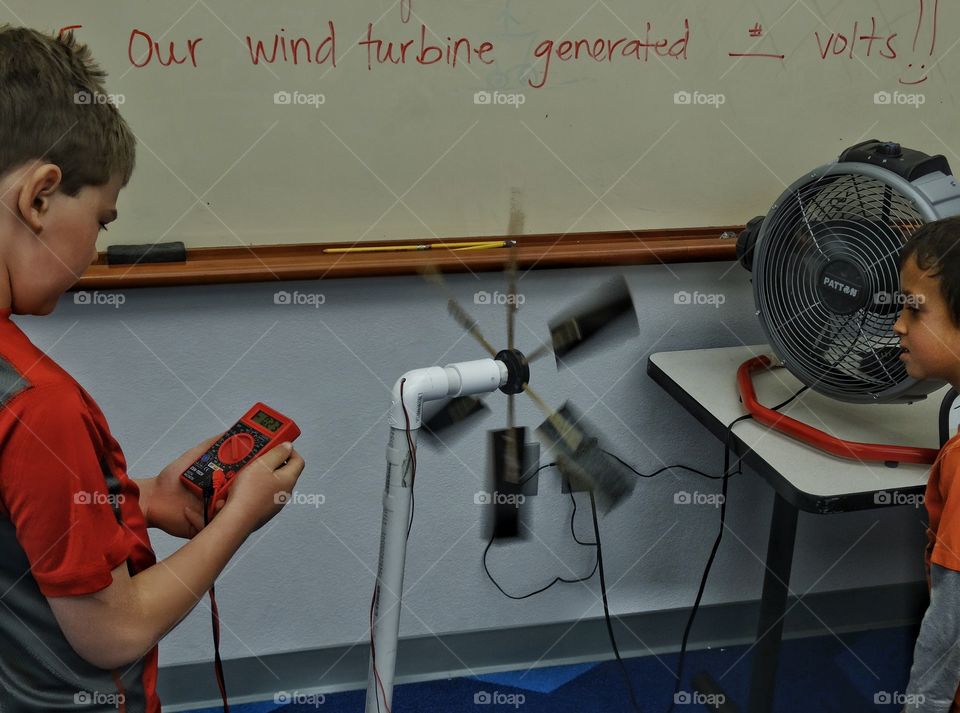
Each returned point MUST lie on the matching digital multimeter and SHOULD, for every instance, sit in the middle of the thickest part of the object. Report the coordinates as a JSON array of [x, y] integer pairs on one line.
[[259, 430]]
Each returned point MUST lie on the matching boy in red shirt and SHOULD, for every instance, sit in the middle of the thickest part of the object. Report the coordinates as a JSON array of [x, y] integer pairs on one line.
[[84, 601], [929, 331]]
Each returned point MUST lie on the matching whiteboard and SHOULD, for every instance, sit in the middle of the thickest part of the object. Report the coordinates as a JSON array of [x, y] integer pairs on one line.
[[567, 117]]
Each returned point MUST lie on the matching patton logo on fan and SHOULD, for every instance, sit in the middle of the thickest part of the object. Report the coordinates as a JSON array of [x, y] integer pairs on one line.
[[839, 286]]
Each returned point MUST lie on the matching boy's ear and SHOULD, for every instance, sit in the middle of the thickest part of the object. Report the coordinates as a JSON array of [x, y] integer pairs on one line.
[[38, 185]]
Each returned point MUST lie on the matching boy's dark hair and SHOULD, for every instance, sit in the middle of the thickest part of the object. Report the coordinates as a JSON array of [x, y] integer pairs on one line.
[[53, 108], [936, 249]]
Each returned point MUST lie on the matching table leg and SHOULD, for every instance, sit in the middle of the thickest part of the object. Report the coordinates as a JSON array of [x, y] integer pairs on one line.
[[773, 605]]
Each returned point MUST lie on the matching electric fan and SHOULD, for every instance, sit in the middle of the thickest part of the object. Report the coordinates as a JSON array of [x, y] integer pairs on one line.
[[825, 264]]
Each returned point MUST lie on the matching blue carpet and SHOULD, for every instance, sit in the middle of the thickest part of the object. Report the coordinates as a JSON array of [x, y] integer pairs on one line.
[[852, 673], [541, 680]]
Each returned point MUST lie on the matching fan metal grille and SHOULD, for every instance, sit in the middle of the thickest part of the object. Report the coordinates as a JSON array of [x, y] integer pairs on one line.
[[858, 223]]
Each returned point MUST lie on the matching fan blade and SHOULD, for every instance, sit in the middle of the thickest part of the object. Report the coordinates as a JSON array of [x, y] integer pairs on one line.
[[586, 465], [462, 318], [598, 315], [511, 295], [539, 353], [505, 512], [451, 415], [564, 428], [459, 314]]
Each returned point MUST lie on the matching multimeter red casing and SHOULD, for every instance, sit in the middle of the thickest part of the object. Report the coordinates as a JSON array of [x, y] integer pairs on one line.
[[259, 430]]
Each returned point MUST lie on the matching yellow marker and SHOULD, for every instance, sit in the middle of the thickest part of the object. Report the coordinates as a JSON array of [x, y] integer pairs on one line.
[[474, 244], [483, 246]]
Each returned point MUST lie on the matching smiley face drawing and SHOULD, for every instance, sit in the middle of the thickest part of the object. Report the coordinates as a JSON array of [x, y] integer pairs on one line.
[[920, 70], [916, 71]]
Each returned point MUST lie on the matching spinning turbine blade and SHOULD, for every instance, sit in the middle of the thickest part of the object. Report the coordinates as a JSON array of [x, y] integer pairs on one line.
[[453, 413], [581, 459], [511, 295], [562, 427], [461, 317], [609, 312], [459, 314], [539, 352]]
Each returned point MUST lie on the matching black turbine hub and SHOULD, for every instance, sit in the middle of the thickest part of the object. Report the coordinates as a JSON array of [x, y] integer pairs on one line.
[[518, 370]]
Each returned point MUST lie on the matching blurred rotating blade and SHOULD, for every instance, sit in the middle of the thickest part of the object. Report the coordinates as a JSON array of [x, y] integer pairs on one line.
[[581, 459], [607, 315], [505, 511], [462, 318], [456, 310], [452, 418], [511, 295], [540, 352]]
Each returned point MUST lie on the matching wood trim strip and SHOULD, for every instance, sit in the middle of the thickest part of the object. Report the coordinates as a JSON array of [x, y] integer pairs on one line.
[[267, 263]]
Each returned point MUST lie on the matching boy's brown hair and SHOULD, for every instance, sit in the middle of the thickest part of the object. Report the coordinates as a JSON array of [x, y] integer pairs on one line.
[[53, 108], [936, 249]]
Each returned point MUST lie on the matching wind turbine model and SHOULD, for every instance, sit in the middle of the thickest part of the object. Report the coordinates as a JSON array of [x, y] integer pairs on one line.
[[577, 454]]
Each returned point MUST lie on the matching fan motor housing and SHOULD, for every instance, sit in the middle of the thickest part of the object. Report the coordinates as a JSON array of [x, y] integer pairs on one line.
[[825, 264]]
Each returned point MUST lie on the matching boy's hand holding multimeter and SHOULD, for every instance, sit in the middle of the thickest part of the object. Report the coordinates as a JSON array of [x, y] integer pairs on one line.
[[213, 473], [210, 476]]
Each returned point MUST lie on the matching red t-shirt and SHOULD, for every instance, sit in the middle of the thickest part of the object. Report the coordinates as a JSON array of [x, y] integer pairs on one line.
[[69, 515]]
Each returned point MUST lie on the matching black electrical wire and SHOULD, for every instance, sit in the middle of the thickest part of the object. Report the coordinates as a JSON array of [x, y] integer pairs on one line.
[[413, 459], [215, 613], [598, 565], [555, 579], [606, 606], [659, 471], [727, 448]]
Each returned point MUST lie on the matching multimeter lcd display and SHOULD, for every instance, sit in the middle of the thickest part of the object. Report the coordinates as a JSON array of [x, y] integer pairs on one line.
[[268, 422]]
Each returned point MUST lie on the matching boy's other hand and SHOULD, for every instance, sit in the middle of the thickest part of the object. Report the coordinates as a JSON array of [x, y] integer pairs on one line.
[[171, 505], [263, 487]]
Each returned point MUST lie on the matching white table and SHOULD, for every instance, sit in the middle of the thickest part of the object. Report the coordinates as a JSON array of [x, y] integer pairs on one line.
[[804, 478]]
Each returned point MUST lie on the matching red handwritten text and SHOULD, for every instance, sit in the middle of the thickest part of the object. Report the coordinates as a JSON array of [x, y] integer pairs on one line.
[[296, 49], [149, 48], [604, 50], [839, 43], [425, 51]]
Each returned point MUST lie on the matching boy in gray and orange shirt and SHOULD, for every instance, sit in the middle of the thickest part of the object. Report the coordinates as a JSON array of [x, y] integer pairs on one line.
[[929, 331]]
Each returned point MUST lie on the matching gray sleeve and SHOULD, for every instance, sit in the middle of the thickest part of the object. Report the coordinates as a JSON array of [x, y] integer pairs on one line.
[[935, 673]]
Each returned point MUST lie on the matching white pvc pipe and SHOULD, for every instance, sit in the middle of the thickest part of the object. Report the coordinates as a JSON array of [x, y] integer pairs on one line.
[[418, 386]]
